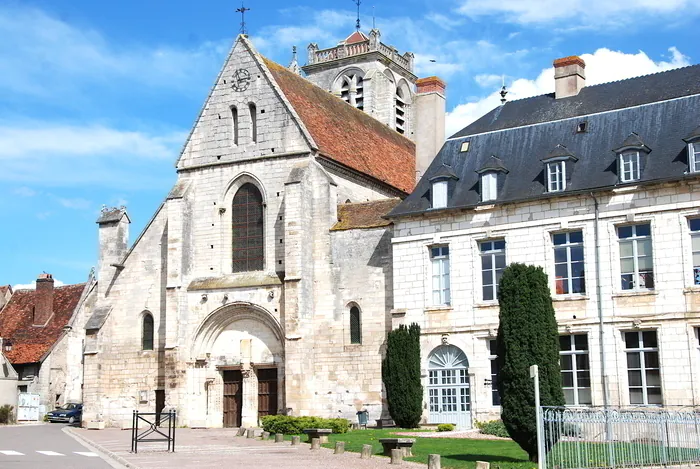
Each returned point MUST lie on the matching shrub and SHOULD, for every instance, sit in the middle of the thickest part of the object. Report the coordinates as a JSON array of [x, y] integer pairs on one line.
[[401, 376], [445, 427], [493, 427], [295, 425], [6, 415], [527, 335]]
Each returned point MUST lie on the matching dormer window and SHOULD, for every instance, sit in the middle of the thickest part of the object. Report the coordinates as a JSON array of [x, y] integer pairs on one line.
[[440, 194], [694, 156], [441, 185], [629, 166], [555, 168], [556, 176], [489, 186]]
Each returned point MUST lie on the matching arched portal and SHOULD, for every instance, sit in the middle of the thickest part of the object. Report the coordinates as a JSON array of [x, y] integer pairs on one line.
[[449, 393], [241, 346]]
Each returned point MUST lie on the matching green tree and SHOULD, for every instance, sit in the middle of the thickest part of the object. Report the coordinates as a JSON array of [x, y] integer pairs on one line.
[[401, 376], [527, 335]]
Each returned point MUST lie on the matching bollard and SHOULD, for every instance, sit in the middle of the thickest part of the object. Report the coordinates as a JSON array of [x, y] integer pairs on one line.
[[482, 465], [315, 443], [265, 435], [251, 433], [433, 461], [279, 437], [339, 447], [296, 439], [241, 432], [396, 456], [366, 452]]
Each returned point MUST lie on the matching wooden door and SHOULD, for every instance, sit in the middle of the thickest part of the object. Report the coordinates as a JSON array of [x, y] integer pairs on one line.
[[267, 392], [233, 403]]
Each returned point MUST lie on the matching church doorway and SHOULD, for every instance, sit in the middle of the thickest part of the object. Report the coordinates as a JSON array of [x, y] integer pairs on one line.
[[267, 392], [233, 398], [449, 392]]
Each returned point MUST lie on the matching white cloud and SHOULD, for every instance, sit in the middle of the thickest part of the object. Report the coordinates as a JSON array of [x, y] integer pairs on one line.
[[603, 66], [593, 13], [32, 285], [25, 192], [76, 203], [487, 80]]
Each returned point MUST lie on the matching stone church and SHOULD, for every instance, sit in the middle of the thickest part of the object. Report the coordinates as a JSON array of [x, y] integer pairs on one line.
[[263, 282]]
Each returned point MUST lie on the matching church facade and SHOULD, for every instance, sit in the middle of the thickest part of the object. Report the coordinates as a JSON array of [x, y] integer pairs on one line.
[[263, 282]]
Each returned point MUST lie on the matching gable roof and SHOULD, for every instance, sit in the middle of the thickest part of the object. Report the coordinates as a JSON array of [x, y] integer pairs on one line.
[[30, 343], [357, 36], [348, 135], [590, 100], [364, 214], [658, 129]]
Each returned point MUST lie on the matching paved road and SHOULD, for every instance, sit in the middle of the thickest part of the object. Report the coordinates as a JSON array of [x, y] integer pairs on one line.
[[43, 446]]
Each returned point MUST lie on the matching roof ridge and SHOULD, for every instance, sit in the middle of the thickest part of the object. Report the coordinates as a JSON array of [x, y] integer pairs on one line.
[[367, 202]]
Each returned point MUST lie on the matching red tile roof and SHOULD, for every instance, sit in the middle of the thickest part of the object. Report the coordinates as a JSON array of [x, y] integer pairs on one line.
[[30, 343], [364, 215], [357, 36], [347, 135]]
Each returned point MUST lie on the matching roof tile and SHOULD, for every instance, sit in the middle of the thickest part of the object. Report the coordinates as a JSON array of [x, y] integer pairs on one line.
[[364, 215]]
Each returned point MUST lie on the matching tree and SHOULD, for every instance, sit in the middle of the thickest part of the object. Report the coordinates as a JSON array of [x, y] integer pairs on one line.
[[527, 335], [401, 376]]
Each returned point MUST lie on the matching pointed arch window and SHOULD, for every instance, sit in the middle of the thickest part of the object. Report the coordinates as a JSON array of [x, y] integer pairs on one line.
[[253, 122], [147, 332], [234, 125], [351, 90], [355, 325], [247, 226]]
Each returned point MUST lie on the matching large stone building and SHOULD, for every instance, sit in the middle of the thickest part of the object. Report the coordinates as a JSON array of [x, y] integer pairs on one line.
[[263, 284], [598, 185]]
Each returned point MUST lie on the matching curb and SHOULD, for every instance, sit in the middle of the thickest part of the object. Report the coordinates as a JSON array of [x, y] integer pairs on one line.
[[100, 448]]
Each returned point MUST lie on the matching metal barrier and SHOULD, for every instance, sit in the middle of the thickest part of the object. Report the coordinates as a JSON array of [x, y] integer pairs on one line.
[[611, 438], [158, 419]]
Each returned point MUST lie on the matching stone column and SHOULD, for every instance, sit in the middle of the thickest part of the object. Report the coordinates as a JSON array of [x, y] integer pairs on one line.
[[249, 411]]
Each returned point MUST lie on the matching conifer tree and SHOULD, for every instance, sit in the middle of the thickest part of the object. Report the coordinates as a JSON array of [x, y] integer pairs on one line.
[[527, 335], [401, 376]]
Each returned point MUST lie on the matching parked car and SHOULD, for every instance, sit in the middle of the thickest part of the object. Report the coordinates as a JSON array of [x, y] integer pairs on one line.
[[70, 413]]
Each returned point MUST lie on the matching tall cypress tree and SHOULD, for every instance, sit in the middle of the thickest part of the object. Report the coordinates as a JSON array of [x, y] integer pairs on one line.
[[527, 335], [401, 376]]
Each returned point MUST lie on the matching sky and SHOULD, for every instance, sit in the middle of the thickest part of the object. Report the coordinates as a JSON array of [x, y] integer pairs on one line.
[[97, 98]]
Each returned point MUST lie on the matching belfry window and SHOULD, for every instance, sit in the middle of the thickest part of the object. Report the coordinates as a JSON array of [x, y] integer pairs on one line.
[[247, 227], [253, 122], [351, 90], [147, 332], [400, 111]]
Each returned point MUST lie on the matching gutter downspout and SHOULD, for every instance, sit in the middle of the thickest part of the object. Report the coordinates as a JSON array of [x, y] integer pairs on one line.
[[599, 298]]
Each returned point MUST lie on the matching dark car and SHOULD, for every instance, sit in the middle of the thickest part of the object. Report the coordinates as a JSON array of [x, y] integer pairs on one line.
[[70, 413]]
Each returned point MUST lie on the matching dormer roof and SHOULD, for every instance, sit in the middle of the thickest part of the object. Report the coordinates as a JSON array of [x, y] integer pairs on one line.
[[632, 142]]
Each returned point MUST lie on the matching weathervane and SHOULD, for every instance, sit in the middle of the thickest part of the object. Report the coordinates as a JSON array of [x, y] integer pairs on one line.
[[503, 92], [357, 24], [242, 11]]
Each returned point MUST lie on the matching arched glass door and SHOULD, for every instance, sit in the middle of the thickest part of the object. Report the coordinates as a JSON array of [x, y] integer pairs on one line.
[[448, 387]]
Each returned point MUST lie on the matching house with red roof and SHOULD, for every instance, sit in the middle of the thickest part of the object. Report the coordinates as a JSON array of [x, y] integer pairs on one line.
[[36, 340]]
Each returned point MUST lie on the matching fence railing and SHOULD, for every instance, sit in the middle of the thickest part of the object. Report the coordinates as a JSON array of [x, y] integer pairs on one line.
[[154, 430], [611, 438]]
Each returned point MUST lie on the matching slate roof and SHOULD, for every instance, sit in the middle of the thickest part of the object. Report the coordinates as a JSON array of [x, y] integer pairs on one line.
[[592, 99], [364, 215], [30, 343], [659, 126], [347, 135]]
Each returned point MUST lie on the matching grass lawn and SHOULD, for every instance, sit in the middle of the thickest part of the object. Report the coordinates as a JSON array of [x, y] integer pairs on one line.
[[568, 454], [456, 453]]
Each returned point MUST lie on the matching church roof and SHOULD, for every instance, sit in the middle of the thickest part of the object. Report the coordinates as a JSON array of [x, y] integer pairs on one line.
[[364, 215], [357, 36], [348, 135], [29, 343]]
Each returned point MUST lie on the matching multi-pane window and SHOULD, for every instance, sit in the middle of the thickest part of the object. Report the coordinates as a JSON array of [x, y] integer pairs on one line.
[[694, 156], [629, 166], [636, 264], [489, 186], [556, 176], [493, 261], [575, 369], [247, 226], [643, 373], [695, 243], [568, 263], [440, 259], [440, 194], [355, 326], [453, 384], [495, 397], [147, 332]]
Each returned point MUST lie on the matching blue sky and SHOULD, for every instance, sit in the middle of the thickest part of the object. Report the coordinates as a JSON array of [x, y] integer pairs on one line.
[[96, 98]]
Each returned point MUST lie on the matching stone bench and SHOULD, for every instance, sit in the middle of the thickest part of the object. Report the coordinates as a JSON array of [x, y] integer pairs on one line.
[[404, 444], [385, 423], [320, 433]]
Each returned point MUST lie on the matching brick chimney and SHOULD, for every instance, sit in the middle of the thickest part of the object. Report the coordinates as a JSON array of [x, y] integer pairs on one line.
[[43, 303], [569, 76], [430, 121]]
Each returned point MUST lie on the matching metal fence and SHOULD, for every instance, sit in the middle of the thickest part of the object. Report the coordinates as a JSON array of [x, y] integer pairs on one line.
[[602, 438], [153, 431]]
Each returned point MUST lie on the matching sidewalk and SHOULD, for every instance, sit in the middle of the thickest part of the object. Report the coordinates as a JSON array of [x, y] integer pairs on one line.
[[217, 448]]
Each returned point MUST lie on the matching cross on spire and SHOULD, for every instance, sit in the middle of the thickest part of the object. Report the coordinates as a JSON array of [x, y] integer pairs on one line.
[[242, 11], [357, 23]]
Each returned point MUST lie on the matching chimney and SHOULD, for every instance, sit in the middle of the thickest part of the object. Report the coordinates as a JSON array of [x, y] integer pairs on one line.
[[113, 239], [43, 303], [429, 131], [569, 76]]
